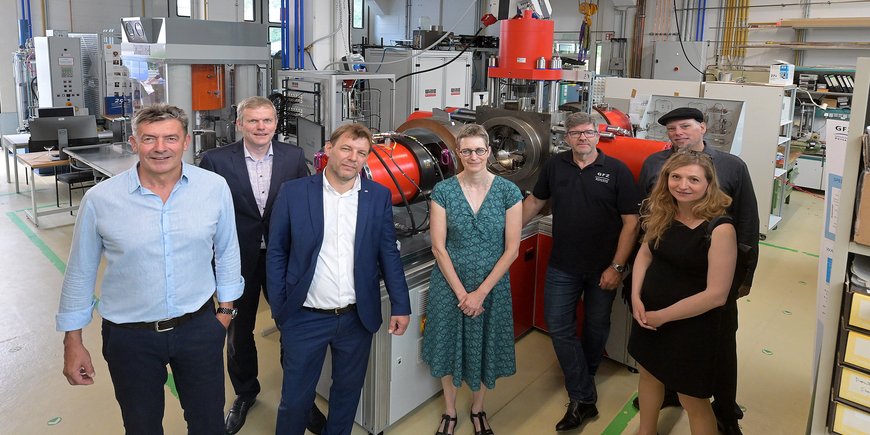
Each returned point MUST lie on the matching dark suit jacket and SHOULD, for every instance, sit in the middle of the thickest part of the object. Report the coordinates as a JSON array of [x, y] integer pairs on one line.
[[297, 235], [288, 163]]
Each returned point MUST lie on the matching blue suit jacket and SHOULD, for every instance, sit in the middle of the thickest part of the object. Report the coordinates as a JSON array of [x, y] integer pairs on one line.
[[288, 162], [295, 238]]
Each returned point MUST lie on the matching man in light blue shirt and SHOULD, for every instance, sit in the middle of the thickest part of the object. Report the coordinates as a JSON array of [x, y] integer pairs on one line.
[[159, 226]]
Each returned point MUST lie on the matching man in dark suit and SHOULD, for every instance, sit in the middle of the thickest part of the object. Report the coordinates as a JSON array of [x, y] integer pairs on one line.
[[254, 168], [331, 241]]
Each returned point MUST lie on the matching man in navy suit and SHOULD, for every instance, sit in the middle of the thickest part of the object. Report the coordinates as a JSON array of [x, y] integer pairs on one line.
[[254, 168], [331, 242]]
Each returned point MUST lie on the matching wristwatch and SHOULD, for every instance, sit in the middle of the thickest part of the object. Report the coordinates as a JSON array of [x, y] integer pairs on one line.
[[618, 267], [231, 311]]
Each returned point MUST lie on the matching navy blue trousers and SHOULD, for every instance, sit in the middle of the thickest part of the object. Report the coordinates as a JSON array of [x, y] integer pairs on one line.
[[305, 336], [137, 360]]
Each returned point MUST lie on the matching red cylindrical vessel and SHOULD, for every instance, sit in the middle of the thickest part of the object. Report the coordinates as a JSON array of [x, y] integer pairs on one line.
[[631, 151], [522, 42], [402, 163]]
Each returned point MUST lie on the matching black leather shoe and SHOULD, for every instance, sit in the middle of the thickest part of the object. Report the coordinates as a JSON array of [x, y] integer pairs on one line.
[[669, 401], [729, 427], [237, 415], [576, 413], [738, 412], [316, 420]]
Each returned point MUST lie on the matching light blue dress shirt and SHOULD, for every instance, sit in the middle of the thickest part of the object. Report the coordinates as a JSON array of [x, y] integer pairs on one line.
[[158, 256]]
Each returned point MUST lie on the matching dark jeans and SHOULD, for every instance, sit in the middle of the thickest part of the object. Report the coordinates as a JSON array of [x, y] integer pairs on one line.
[[306, 336], [241, 348], [579, 358], [137, 360]]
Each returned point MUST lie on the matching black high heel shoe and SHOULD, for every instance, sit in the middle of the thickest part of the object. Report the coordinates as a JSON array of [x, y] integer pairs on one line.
[[444, 426], [482, 423]]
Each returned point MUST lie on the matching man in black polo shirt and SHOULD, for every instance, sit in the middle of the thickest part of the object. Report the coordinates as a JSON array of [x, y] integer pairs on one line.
[[686, 128], [595, 223]]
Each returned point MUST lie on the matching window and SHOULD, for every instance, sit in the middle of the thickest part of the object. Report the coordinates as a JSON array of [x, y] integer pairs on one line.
[[248, 10], [182, 8], [358, 10], [275, 39], [275, 11]]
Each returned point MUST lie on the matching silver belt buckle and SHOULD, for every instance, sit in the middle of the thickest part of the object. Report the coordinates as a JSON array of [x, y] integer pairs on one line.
[[157, 325]]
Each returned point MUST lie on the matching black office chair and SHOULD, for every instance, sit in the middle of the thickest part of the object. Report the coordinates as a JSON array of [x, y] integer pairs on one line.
[[78, 177]]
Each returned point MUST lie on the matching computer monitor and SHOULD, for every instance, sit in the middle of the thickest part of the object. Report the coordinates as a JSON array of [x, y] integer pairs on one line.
[[67, 131], [310, 137], [55, 112]]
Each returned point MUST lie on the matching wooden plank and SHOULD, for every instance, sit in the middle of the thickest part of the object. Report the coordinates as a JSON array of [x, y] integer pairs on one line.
[[820, 23]]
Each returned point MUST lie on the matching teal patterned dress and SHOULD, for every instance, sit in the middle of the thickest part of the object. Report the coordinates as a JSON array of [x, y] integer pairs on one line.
[[475, 350]]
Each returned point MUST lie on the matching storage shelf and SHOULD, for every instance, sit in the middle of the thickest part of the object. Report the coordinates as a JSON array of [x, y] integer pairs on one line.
[[779, 172], [857, 248], [773, 222], [782, 140], [823, 94]]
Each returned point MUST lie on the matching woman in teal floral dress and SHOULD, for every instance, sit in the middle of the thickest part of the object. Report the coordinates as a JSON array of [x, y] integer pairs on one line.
[[476, 220]]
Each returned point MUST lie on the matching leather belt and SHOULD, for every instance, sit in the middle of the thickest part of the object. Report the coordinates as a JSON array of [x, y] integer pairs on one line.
[[331, 311], [166, 324]]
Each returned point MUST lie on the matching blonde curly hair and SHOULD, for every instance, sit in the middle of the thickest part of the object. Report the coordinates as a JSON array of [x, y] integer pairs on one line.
[[659, 210]]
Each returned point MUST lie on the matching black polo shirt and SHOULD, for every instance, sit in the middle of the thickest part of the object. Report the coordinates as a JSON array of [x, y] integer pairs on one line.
[[588, 205]]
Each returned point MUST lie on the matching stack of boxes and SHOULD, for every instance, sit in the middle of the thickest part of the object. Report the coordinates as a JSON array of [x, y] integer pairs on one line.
[[850, 406], [117, 81]]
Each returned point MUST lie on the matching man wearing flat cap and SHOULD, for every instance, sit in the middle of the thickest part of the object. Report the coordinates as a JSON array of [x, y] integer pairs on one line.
[[686, 128]]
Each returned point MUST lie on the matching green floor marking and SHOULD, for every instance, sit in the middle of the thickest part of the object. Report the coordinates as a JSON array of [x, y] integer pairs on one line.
[[54, 421], [810, 254], [170, 383], [59, 264], [620, 422], [778, 247]]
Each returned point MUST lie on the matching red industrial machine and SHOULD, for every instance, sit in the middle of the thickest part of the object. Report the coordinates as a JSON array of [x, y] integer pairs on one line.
[[523, 41]]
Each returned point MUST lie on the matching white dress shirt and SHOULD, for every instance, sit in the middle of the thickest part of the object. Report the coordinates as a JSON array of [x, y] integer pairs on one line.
[[260, 176], [333, 284]]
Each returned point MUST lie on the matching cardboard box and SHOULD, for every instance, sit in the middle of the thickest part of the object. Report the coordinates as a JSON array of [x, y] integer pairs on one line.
[[862, 213], [781, 74]]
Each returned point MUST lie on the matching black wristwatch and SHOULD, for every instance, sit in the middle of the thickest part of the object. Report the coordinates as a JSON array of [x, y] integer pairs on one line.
[[618, 267], [231, 311]]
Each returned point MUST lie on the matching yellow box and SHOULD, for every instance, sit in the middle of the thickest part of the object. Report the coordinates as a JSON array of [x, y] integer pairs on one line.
[[857, 349], [858, 310], [854, 386], [850, 421]]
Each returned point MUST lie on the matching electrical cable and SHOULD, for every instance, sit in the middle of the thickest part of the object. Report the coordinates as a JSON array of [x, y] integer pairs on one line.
[[337, 29], [811, 99], [680, 38], [401, 193], [442, 65], [311, 59]]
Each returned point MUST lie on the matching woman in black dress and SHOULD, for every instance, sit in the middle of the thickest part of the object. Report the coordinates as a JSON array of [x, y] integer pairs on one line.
[[681, 277]]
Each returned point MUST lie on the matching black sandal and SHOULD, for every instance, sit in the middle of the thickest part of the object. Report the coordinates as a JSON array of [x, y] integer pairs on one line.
[[482, 422], [444, 425]]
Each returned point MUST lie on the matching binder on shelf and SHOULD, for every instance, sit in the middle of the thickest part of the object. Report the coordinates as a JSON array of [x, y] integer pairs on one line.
[[851, 82], [829, 80], [843, 85]]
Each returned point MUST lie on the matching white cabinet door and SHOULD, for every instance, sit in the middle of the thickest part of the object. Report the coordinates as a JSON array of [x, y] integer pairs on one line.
[[810, 169]]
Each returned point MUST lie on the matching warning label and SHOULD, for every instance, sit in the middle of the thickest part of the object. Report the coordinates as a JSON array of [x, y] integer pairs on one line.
[[455, 91], [430, 92]]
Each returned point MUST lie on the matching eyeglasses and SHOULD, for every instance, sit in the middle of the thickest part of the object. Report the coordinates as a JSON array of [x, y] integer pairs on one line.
[[466, 152], [576, 134]]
